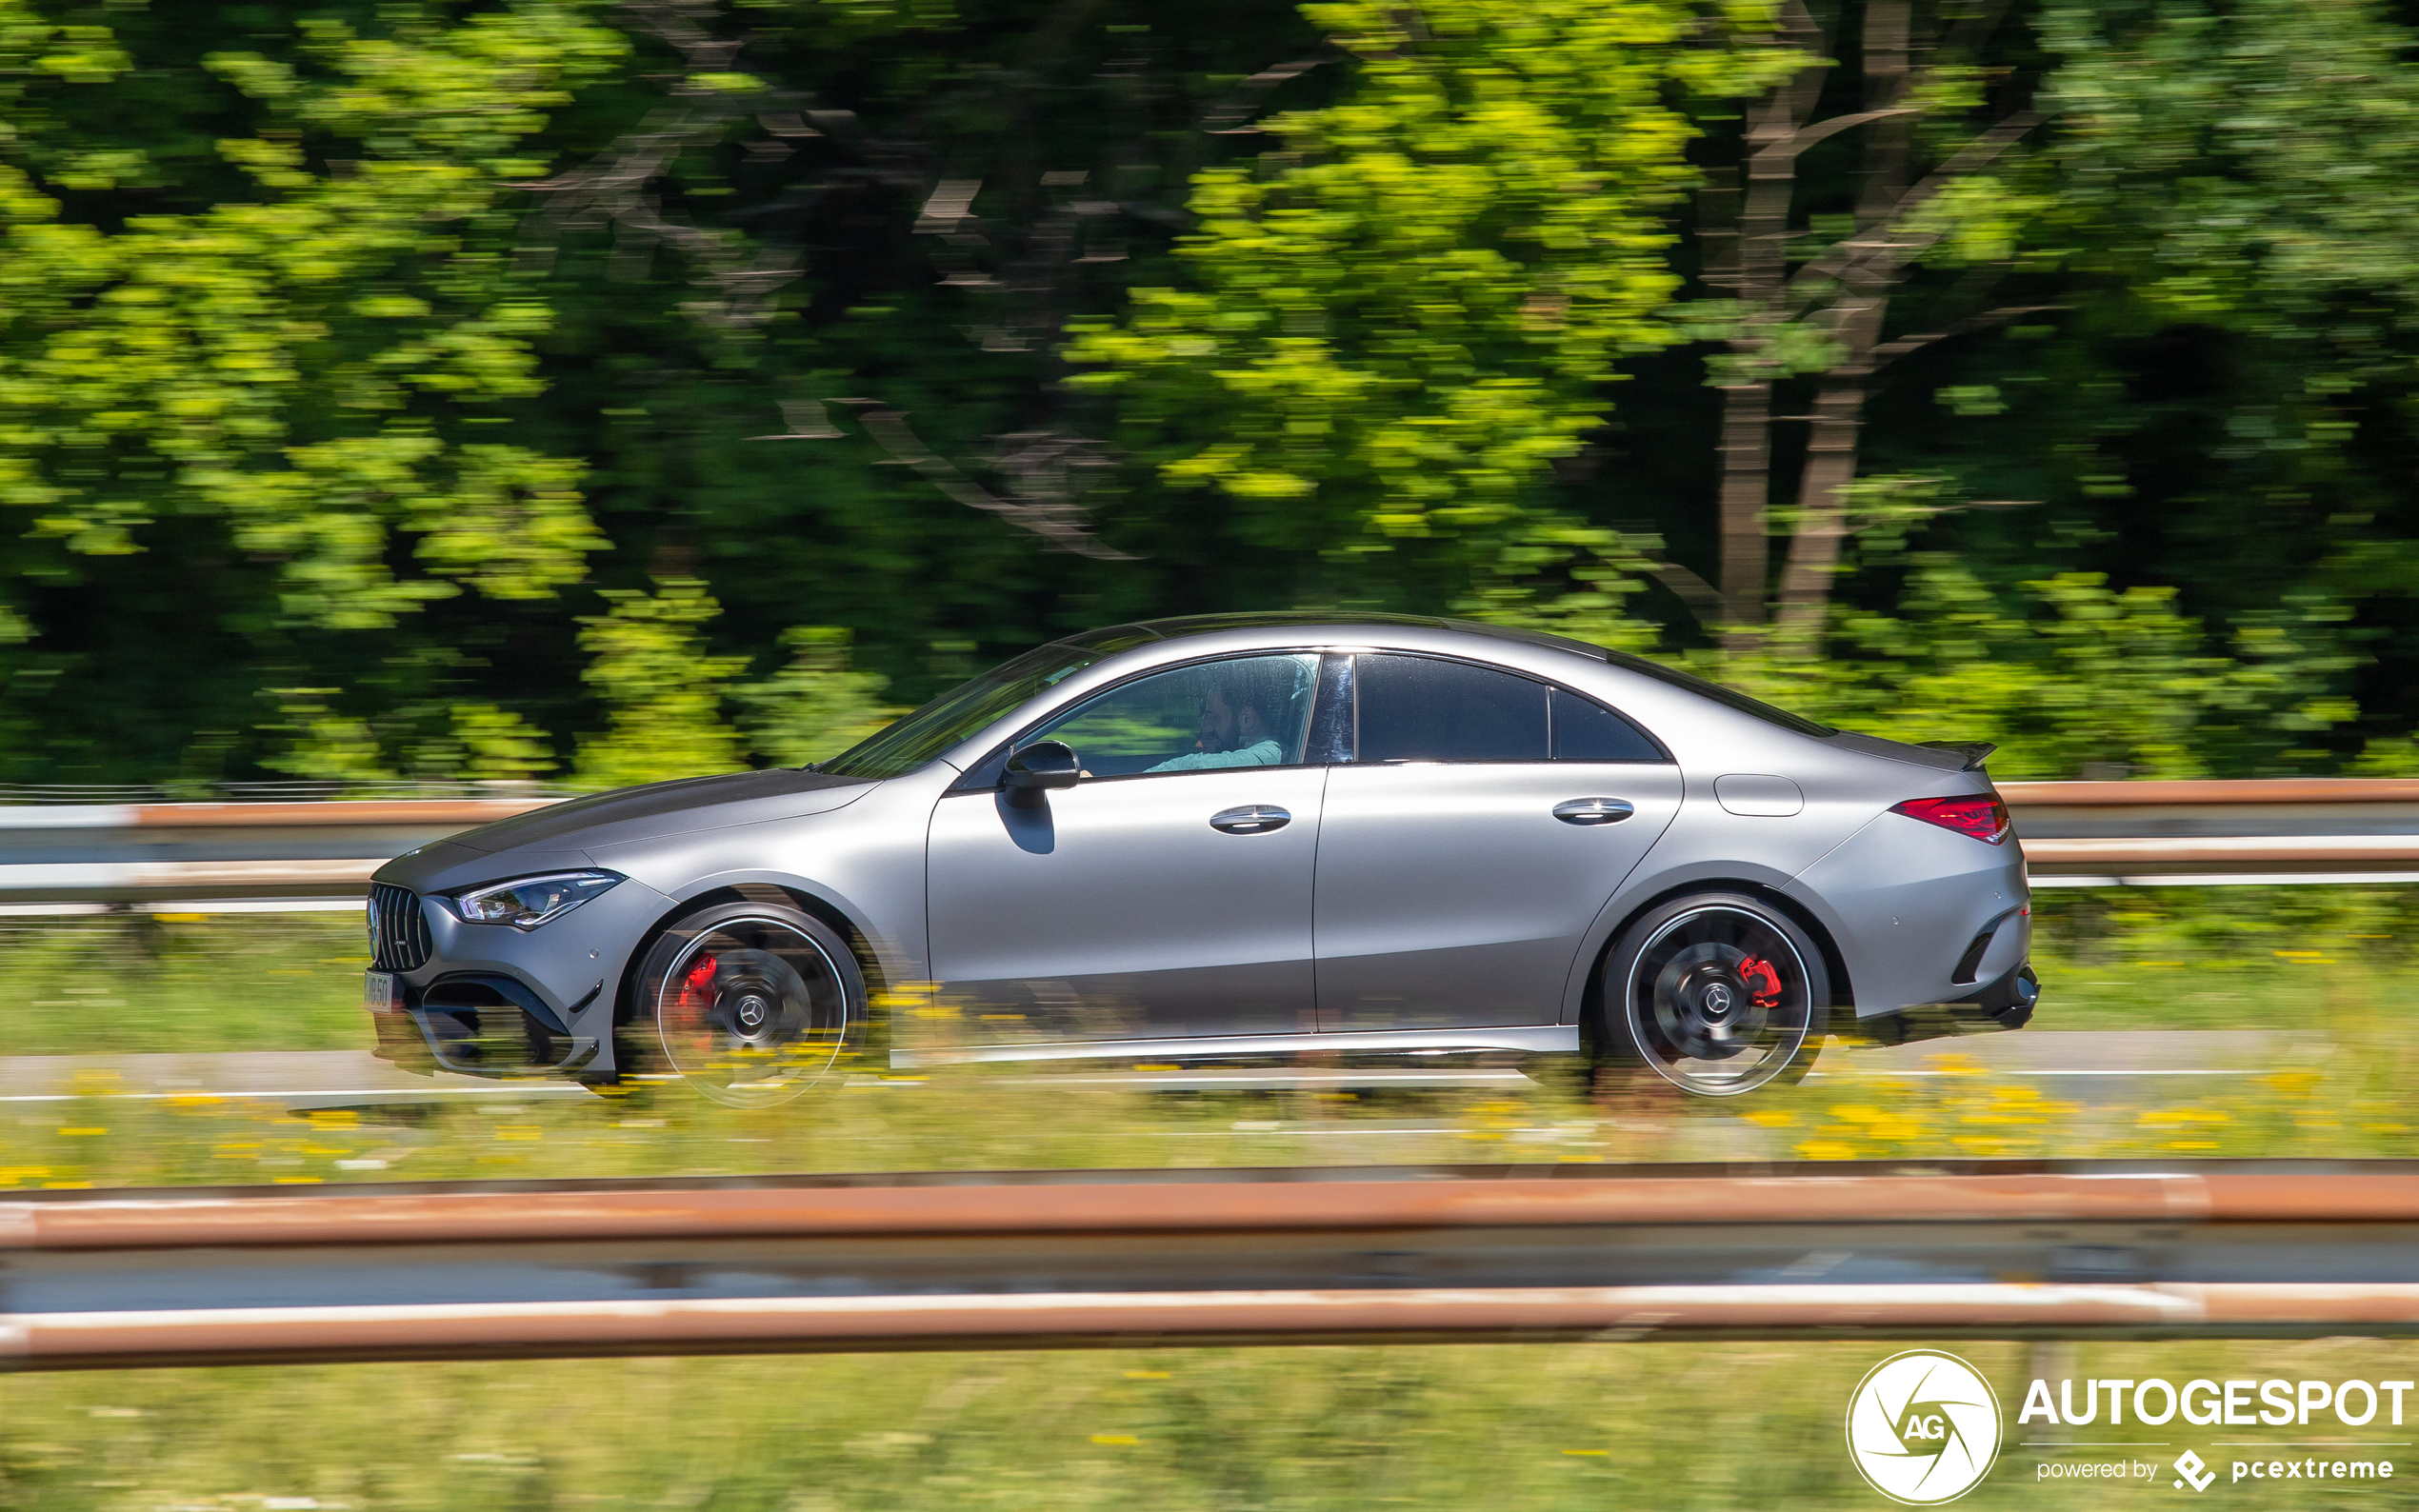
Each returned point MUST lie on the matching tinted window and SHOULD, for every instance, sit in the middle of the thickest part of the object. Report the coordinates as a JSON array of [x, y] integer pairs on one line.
[[1414, 710], [1251, 711], [1585, 732]]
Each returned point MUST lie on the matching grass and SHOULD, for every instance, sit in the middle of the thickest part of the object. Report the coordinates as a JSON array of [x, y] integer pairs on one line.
[[2217, 958], [138, 984], [1578, 1427]]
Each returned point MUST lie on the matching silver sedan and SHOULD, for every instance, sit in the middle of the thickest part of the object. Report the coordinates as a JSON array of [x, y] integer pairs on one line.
[[1235, 835]]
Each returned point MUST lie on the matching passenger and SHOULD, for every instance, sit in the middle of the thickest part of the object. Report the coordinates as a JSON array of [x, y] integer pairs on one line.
[[1238, 726]]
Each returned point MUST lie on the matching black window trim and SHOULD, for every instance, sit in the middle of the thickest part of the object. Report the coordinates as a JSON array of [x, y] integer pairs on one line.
[[1548, 683]]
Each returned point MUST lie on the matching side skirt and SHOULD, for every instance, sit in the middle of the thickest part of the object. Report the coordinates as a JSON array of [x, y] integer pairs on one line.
[[1550, 1039]]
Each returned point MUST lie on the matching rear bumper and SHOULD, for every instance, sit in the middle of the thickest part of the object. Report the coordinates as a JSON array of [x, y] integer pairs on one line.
[[2006, 1002], [1920, 915]]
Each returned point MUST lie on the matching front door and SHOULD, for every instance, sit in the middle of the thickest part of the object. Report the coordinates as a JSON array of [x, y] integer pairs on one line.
[[1451, 892], [1167, 894]]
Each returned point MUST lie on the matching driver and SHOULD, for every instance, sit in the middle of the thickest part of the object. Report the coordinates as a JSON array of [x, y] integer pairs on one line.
[[1238, 726]]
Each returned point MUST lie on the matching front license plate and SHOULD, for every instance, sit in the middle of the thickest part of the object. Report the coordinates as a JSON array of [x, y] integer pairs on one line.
[[378, 991]]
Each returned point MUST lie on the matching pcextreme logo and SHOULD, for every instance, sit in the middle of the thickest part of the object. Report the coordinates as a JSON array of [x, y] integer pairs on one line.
[[2191, 1469], [1923, 1427]]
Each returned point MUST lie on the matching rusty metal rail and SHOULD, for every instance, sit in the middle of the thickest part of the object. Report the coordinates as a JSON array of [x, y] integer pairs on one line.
[[1106, 1259], [2147, 833], [205, 853], [2074, 833]]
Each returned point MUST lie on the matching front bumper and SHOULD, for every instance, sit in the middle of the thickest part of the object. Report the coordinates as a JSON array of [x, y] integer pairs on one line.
[[491, 999]]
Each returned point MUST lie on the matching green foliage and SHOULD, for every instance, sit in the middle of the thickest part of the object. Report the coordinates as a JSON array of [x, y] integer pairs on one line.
[[348, 357], [324, 745], [2063, 674], [1395, 325], [404, 741], [662, 691], [814, 707], [2255, 161], [2075, 673], [1565, 578], [301, 362]]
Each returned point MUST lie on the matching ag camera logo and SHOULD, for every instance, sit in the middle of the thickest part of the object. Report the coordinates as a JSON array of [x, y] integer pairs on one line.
[[1923, 1427]]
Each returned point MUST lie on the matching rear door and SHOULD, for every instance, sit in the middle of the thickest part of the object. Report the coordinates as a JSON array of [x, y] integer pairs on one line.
[[1484, 822]]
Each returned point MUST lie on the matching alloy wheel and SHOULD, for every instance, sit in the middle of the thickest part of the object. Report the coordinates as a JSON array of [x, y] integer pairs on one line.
[[753, 1012], [1720, 1001]]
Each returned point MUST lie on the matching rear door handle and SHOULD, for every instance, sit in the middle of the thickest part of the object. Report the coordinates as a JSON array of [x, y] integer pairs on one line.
[[1251, 819], [1594, 810]]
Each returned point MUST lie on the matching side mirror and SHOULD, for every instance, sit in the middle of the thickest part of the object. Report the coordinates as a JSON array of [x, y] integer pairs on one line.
[[1044, 765]]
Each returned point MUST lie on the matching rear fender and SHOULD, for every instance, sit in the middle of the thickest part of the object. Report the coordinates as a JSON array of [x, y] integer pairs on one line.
[[1643, 891], [1903, 900]]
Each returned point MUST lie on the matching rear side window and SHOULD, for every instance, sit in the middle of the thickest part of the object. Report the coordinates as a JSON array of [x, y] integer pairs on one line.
[[1587, 731], [1415, 709]]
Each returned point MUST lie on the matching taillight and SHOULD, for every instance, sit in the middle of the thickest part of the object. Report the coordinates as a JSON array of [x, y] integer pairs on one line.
[[1981, 815]]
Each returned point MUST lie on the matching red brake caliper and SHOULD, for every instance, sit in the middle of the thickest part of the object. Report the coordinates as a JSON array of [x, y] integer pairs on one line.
[[696, 989], [1763, 982]]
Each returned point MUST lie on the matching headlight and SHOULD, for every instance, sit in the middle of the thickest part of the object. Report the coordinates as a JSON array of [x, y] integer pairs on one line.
[[531, 901]]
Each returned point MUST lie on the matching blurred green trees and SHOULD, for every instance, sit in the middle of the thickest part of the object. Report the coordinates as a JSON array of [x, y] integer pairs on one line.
[[1400, 323], [552, 390]]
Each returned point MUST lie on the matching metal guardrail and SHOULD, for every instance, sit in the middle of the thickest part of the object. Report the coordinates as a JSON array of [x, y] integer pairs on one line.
[[2151, 834], [210, 854], [2075, 834], [1230, 1257]]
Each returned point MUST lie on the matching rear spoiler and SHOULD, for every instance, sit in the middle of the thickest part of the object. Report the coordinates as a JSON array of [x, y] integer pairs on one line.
[[1973, 752]]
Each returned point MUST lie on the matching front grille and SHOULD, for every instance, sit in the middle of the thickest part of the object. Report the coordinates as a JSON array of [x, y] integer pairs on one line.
[[398, 931]]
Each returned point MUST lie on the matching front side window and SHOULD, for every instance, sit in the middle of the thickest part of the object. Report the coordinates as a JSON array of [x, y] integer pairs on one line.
[[1250, 711]]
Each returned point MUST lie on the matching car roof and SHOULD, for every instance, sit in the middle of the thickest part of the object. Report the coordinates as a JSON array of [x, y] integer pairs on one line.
[[1120, 637]]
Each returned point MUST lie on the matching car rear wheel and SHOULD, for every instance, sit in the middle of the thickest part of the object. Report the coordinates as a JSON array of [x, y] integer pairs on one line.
[[751, 1004], [1718, 994]]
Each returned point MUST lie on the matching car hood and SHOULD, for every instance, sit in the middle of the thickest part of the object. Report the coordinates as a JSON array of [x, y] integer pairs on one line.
[[666, 808], [559, 837]]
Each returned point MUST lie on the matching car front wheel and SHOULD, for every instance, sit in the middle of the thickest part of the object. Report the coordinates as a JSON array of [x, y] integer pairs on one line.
[[1718, 993], [749, 1002]]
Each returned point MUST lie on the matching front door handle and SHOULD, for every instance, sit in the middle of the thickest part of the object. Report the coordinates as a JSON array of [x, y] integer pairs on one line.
[[1251, 819], [1594, 810]]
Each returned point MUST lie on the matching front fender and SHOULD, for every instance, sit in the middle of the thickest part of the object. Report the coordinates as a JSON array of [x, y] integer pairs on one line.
[[865, 864]]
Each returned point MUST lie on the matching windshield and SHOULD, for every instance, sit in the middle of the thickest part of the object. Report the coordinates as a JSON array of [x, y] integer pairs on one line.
[[956, 715]]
